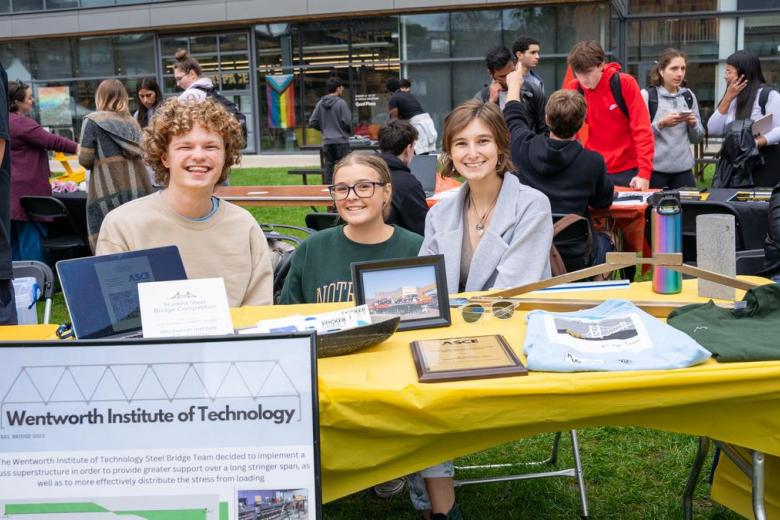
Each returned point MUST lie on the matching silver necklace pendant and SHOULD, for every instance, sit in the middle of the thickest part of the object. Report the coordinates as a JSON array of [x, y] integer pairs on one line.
[[480, 228]]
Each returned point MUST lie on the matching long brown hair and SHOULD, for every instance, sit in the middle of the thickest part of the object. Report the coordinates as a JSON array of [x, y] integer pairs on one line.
[[662, 62], [460, 118], [111, 96]]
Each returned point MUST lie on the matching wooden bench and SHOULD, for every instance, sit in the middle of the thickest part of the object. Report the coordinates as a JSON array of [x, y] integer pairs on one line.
[[304, 173]]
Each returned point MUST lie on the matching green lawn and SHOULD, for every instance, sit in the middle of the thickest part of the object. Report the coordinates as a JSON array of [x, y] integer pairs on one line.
[[631, 473]]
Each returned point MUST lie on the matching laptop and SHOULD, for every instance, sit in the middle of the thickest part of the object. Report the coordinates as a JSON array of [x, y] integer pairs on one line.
[[101, 291], [763, 125], [424, 168]]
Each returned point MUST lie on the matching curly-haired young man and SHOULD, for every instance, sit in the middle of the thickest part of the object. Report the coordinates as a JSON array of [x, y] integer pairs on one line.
[[191, 148]]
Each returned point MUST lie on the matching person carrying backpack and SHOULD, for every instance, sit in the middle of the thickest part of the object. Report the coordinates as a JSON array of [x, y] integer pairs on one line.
[[676, 123], [747, 99], [188, 74], [618, 122]]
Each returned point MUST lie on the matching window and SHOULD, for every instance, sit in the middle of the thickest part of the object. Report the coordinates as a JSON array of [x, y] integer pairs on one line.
[[579, 22], [537, 22], [474, 32], [134, 54], [761, 34], [27, 5], [95, 57], [51, 59], [62, 4], [425, 36], [699, 37]]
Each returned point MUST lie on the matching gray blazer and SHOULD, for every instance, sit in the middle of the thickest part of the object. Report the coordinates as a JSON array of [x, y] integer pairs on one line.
[[515, 248]]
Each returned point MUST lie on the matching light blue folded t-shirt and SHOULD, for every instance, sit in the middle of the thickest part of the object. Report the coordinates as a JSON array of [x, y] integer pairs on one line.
[[615, 335]]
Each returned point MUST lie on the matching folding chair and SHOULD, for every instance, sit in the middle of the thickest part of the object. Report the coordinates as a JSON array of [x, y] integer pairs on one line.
[[576, 472], [282, 246], [319, 221], [43, 275], [54, 223], [424, 168]]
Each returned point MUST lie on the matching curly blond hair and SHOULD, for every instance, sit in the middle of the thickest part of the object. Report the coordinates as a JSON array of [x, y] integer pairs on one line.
[[172, 119]]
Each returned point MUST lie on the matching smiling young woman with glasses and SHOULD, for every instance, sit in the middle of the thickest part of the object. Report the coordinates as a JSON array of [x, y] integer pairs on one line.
[[362, 192]]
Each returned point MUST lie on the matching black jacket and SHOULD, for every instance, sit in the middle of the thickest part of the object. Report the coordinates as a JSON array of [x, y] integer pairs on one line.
[[772, 243], [408, 206], [572, 177], [535, 101]]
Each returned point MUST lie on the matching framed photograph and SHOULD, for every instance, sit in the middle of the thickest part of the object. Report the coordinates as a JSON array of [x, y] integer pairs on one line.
[[413, 288]]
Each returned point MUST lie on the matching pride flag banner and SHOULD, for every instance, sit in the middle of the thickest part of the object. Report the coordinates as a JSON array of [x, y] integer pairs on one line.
[[280, 96]]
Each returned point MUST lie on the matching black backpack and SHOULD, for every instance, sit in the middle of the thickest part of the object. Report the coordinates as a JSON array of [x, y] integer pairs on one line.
[[229, 106], [652, 100], [763, 97], [617, 92]]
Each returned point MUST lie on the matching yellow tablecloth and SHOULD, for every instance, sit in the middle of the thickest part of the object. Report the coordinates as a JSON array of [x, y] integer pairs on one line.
[[378, 422], [734, 490]]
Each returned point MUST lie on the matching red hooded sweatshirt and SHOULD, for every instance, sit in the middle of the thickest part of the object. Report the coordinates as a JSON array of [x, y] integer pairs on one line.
[[625, 143]]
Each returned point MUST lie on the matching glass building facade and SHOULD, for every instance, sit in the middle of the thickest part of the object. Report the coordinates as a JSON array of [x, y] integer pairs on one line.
[[276, 72]]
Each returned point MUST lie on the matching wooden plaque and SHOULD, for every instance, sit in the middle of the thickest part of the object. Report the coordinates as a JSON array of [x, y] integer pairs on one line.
[[474, 357]]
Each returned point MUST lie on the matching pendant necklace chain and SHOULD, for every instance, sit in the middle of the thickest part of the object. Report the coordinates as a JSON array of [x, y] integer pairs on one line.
[[480, 225]]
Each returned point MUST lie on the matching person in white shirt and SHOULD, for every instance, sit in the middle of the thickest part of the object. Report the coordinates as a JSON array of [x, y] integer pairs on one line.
[[748, 97], [188, 74]]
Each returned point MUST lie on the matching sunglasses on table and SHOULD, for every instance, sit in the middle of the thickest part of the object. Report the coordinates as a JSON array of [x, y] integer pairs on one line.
[[503, 310], [362, 189]]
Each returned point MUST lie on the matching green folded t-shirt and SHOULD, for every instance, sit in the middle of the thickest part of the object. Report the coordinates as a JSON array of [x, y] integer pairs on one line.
[[751, 333]]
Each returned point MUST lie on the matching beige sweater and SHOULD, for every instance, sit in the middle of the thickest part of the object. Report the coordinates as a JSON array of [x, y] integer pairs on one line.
[[228, 245]]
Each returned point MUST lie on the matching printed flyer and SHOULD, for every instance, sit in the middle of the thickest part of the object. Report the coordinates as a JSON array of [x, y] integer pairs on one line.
[[213, 429]]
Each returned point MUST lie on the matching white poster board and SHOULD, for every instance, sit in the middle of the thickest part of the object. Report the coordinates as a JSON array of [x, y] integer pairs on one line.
[[211, 429]]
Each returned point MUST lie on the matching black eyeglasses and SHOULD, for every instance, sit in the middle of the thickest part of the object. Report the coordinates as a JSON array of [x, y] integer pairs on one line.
[[363, 189]]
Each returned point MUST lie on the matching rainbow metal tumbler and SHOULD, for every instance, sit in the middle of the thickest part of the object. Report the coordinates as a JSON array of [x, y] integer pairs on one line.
[[666, 223]]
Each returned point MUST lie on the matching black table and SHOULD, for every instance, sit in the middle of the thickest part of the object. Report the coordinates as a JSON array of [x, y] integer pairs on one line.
[[753, 216]]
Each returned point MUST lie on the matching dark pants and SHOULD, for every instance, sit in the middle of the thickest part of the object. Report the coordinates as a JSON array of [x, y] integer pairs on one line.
[[623, 178], [7, 303], [331, 154], [768, 175], [672, 180]]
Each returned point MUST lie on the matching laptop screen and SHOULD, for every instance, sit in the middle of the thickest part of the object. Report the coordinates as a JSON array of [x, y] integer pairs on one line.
[[101, 291]]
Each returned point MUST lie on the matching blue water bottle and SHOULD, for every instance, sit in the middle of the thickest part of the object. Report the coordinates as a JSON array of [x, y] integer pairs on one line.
[[666, 223]]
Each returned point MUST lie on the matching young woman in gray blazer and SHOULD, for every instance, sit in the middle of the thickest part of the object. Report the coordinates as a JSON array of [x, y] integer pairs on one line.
[[495, 232]]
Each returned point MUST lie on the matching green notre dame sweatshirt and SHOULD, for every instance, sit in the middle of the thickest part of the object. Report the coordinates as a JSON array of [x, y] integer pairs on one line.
[[321, 272]]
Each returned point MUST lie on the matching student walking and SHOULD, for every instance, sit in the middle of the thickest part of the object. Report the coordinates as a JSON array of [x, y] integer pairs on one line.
[[333, 118], [749, 98], [618, 122], [110, 148], [405, 106], [675, 119]]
